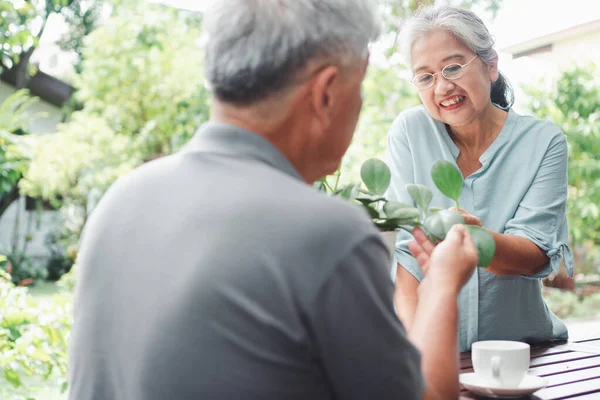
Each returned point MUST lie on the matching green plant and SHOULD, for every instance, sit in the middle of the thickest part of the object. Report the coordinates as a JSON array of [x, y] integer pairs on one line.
[[33, 339], [389, 215], [572, 103], [23, 270]]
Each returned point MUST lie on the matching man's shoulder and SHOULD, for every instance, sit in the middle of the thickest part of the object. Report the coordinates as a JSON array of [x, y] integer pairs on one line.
[[328, 213]]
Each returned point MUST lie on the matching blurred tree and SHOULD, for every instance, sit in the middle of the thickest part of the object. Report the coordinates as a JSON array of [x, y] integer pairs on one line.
[[573, 104], [13, 119], [22, 24], [143, 96]]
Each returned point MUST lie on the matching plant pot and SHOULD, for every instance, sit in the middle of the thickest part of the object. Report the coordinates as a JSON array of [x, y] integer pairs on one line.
[[389, 238]]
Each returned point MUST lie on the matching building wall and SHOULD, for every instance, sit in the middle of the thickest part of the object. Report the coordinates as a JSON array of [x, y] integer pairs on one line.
[[40, 222], [541, 68], [585, 48]]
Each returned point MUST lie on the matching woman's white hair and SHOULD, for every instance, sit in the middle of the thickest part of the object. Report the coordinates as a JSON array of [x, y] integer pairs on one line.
[[467, 27], [253, 48]]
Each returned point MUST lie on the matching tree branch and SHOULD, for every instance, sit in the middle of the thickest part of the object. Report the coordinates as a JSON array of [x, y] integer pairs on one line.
[[8, 199]]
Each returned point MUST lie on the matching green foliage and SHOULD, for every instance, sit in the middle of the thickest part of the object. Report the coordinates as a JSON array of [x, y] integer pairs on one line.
[[439, 223], [73, 168], [33, 339], [23, 270], [17, 30], [146, 79], [67, 281], [386, 92], [142, 89], [82, 17], [376, 176], [83, 156], [14, 119], [391, 215], [448, 179], [420, 194], [566, 304], [573, 104], [486, 246]]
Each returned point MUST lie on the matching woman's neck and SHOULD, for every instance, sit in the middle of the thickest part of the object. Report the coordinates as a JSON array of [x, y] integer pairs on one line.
[[478, 135]]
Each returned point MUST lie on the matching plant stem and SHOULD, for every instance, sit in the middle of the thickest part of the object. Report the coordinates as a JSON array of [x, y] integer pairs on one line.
[[328, 186], [457, 205], [338, 173]]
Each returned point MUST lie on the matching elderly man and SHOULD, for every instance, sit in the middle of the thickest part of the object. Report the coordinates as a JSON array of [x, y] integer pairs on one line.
[[219, 273]]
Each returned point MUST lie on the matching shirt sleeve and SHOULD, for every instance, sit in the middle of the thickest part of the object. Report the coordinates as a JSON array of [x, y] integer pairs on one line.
[[365, 351], [402, 169], [541, 215]]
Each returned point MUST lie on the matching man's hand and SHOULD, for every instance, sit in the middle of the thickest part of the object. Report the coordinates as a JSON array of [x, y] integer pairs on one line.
[[451, 262], [421, 248], [469, 219]]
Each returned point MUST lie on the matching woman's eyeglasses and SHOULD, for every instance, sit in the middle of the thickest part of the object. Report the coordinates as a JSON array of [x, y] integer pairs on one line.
[[450, 71]]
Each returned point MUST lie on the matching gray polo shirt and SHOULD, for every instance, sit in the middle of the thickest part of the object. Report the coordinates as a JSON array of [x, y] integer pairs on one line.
[[217, 273]]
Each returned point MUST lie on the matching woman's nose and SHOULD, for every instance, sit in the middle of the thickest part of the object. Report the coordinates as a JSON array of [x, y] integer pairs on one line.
[[442, 85]]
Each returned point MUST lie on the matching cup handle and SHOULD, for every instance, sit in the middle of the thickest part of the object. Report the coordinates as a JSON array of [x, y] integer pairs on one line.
[[496, 364]]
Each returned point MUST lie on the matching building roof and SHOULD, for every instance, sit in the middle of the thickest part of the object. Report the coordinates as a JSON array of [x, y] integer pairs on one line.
[[44, 86], [544, 42]]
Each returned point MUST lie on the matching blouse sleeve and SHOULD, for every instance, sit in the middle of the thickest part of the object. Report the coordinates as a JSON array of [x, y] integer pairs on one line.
[[541, 214], [400, 161]]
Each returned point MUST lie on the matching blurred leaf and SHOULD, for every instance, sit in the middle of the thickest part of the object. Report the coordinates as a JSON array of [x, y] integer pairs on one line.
[[439, 223], [447, 178], [376, 175], [484, 241], [12, 377], [420, 194]]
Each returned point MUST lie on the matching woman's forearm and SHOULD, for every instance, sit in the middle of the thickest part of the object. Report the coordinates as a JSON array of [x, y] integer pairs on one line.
[[516, 255], [405, 297]]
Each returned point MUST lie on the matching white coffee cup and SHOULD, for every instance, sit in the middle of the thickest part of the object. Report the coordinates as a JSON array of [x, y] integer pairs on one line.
[[500, 363]]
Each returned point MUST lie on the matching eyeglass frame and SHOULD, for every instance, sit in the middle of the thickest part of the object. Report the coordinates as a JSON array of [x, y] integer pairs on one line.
[[462, 66]]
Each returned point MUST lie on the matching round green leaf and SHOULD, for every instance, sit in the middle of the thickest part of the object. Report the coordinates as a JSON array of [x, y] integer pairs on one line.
[[392, 224], [447, 178], [484, 241], [439, 223], [396, 210], [376, 175], [368, 199], [420, 194], [373, 213], [12, 377], [348, 192]]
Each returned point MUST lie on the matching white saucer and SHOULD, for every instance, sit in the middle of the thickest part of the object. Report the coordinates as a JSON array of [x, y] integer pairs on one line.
[[529, 385]]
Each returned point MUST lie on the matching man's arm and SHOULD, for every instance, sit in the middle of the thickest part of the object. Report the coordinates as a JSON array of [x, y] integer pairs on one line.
[[365, 349], [447, 267]]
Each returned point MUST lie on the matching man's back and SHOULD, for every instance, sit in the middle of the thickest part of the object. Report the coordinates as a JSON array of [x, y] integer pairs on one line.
[[212, 274]]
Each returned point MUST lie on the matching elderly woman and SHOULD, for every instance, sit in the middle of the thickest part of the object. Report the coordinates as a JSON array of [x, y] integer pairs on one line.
[[515, 177]]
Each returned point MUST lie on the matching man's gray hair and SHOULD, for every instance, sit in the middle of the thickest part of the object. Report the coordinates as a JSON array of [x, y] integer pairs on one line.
[[254, 48]]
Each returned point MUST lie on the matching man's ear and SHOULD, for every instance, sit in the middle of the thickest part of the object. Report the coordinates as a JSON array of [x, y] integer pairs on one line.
[[324, 94]]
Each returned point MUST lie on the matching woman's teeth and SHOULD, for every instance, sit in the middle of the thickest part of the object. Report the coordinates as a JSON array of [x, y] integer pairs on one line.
[[452, 101]]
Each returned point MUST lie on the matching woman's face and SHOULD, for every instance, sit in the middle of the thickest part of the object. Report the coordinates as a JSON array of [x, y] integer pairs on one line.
[[455, 102]]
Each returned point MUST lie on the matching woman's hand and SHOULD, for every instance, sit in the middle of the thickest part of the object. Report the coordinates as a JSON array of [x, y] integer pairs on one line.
[[469, 219]]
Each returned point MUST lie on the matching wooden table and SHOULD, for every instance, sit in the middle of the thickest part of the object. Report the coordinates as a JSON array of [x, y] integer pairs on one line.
[[571, 368]]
